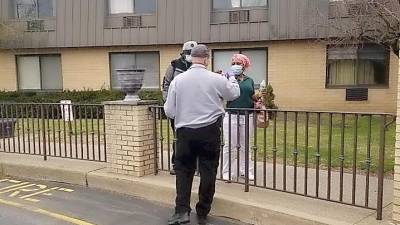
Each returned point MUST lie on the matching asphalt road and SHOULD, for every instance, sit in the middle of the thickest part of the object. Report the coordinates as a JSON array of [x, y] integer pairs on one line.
[[44, 203]]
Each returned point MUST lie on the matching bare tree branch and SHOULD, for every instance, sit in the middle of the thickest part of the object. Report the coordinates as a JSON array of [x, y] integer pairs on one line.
[[376, 21]]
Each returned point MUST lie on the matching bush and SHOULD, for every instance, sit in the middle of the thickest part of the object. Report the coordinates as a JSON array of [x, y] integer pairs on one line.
[[81, 97], [270, 98]]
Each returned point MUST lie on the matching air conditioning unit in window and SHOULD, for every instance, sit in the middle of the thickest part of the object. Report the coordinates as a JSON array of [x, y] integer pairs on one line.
[[35, 25], [357, 94], [131, 21], [239, 16]]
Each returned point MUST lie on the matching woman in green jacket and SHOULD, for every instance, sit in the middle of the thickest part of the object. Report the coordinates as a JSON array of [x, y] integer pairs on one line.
[[247, 99]]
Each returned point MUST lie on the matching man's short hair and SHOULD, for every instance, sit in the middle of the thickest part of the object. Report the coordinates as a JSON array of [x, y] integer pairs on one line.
[[200, 51]]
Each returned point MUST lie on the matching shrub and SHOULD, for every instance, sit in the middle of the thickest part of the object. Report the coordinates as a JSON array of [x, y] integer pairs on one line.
[[82, 97]]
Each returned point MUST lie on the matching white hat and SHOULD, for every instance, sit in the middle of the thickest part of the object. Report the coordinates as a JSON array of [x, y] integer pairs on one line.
[[189, 45]]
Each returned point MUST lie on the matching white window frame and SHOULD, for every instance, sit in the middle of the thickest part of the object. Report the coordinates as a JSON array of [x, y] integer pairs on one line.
[[40, 73], [355, 59], [241, 50], [132, 11], [135, 53], [240, 6], [37, 14]]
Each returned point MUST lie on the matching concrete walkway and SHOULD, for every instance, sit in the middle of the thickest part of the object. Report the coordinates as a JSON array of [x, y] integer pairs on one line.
[[259, 206]]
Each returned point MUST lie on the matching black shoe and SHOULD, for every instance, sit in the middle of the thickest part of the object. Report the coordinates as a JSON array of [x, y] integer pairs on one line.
[[179, 218], [172, 172], [202, 220]]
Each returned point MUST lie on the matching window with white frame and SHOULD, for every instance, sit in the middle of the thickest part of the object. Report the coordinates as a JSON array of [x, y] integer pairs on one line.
[[258, 58], [233, 4], [32, 9], [366, 65], [150, 61], [39, 72], [132, 6]]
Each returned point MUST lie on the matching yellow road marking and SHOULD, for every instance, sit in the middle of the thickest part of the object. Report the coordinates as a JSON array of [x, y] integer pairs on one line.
[[32, 200], [16, 185], [38, 193], [16, 188], [11, 203], [66, 190], [62, 217], [45, 212]]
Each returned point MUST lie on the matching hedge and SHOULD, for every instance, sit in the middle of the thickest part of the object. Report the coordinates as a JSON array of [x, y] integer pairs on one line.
[[81, 97]]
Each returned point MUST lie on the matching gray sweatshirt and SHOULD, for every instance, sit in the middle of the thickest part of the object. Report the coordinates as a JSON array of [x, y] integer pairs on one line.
[[196, 99]]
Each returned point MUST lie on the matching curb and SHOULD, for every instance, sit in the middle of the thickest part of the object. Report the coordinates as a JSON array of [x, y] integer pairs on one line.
[[42, 173]]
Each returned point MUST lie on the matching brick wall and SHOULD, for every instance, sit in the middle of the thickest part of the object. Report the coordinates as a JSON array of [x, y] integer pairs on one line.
[[89, 67], [85, 68], [297, 72], [130, 144], [8, 73]]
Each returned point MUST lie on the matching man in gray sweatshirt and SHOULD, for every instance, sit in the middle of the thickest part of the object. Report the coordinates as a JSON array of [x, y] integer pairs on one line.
[[195, 101]]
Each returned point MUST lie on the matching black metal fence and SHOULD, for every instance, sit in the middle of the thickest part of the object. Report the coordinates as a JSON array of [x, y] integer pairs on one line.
[[75, 131], [333, 156]]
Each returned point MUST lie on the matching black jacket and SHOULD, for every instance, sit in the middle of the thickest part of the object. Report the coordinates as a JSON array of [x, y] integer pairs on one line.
[[176, 67]]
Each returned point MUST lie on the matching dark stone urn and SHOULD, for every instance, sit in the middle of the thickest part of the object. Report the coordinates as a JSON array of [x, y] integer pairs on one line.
[[131, 80]]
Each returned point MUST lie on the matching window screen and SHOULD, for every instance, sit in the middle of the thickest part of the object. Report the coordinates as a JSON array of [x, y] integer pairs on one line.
[[39, 72], [147, 60], [258, 58]]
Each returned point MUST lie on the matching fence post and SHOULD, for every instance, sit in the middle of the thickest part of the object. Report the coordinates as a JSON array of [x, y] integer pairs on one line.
[[381, 166], [154, 112], [129, 133], [247, 152], [43, 131]]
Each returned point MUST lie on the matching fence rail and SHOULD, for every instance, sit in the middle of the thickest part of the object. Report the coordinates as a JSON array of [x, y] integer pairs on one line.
[[73, 131], [333, 156]]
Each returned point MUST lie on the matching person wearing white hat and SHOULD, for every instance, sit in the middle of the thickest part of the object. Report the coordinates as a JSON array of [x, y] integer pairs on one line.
[[176, 67]]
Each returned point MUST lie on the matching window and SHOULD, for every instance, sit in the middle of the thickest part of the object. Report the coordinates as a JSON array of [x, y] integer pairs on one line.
[[258, 58], [31, 9], [132, 6], [39, 72], [150, 61], [358, 66], [232, 4]]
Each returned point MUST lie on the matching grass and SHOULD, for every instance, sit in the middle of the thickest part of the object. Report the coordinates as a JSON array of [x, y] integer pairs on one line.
[[59, 127], [354, 146], [264, 144]]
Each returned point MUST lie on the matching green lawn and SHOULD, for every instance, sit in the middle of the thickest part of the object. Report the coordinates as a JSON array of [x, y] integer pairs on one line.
[[349, 144], [265, 143], [76, 127]]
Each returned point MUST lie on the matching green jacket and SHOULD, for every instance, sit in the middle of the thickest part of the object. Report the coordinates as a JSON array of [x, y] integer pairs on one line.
[[246, 94]]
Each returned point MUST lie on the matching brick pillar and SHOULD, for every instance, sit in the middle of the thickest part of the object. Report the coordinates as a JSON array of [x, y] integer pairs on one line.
[[396, 191], [129, 136]]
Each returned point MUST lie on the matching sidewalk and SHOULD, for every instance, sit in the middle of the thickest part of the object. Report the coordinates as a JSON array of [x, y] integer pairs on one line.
[[258, 206]]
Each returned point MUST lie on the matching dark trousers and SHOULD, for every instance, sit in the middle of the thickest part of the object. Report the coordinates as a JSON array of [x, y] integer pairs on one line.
[[172, 123], [192, 144]]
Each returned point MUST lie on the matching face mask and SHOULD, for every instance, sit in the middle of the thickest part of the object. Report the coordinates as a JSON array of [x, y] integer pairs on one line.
[[188, 58], [237, 69]]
